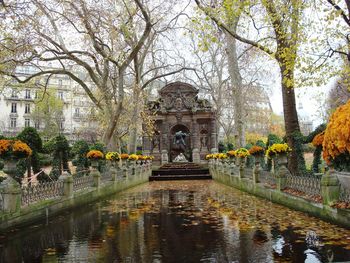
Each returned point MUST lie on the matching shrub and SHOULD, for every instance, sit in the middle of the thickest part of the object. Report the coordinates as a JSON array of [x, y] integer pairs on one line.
[[222, 147], [59, 148], [44, 159], [80, 150], [30, 136]]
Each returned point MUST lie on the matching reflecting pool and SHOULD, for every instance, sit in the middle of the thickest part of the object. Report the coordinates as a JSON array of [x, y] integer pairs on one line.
[[178, 221]]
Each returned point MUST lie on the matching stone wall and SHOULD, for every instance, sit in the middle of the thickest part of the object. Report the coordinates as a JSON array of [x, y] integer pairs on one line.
[[47, 199], [270, 186]]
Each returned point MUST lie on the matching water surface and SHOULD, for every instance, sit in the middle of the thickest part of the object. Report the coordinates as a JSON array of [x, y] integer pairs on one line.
[[178, 221]]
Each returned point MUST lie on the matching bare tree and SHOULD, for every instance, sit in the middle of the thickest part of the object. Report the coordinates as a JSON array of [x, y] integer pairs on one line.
[[284, 18], [95, 41]]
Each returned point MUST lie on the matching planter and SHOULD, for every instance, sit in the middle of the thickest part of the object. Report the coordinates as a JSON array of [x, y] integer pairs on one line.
[[281, 159], [94, 163], [10, 189], [241, 163], [125, 162], [256, 168], [282, 171], [10, 167]]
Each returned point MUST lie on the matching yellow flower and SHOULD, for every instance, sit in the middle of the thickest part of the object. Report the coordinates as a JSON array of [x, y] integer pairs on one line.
[[277, 148], [209, 156], [221, 155], [112, 156]]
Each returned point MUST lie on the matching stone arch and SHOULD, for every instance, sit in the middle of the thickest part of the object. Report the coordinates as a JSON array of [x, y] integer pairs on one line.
[[174, 149]]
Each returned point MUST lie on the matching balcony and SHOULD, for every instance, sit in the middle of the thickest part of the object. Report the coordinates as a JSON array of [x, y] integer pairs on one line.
[[28, 98], [12, 98]]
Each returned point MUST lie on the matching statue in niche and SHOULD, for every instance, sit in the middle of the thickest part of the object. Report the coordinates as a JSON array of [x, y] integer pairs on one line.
[[156, 142], [204, 142], [179, 139]]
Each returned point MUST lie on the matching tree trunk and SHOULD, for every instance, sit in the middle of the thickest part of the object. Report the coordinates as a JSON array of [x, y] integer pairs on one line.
[[291, 121], [237, 86], [114, 117], [134, 121]]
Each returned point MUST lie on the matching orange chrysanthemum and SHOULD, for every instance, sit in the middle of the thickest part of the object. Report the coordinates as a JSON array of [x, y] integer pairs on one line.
[[318, 139], [255, 150], [94, 154], [14, 148], [337, 134], [124, 156]]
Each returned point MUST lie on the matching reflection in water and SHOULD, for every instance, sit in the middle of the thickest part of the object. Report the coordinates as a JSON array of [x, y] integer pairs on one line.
[[187, 221]]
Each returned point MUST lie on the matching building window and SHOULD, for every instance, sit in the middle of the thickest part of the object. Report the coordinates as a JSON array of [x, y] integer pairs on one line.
[[77, 111], [14, 93], [27, 108], [13, 123], [37, 125], [14, 107], [60, 83], [60, 95], [27, 96], [26, 122], [62, 125]]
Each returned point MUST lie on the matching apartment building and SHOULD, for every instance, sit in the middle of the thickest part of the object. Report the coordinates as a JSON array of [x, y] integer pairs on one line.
[[17, 103]]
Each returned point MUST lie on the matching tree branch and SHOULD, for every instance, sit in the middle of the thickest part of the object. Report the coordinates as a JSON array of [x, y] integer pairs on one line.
[[164, 75], [233, 34]]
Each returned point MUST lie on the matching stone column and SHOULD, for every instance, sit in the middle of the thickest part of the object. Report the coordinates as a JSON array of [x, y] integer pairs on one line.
[[67, 179], [195, 152], [113, 172], [11, 194], [330, 187], [213, 136], [256, 170], [146, 145], [95, 174], [241, 167], [282, 172], [164, 157], [232, 168]]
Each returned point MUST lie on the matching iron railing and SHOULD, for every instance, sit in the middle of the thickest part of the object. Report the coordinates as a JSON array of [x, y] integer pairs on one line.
[[43, 191]]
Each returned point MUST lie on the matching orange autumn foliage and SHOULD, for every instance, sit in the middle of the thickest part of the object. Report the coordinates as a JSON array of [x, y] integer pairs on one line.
[[337, 134], [318, 139]]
